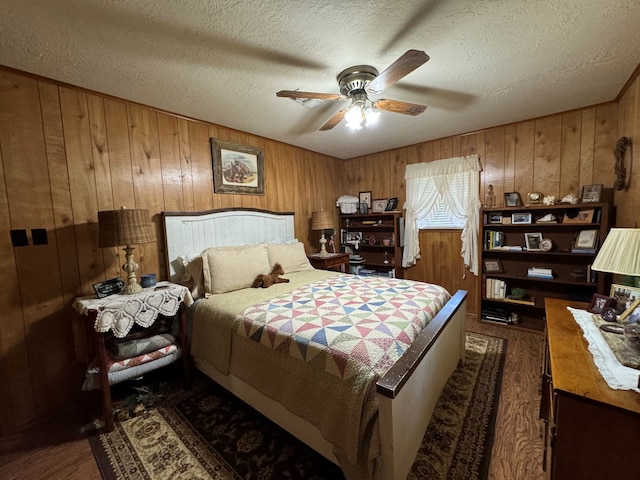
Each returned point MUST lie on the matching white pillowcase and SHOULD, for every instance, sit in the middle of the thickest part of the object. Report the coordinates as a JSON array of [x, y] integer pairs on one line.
[[226, 269], [292, 257]]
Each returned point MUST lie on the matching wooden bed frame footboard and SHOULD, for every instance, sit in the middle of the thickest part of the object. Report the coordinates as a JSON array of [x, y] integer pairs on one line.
[[408, 393]]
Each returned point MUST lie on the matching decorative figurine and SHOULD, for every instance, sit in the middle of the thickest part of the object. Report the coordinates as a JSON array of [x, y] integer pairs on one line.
[[490, 198]]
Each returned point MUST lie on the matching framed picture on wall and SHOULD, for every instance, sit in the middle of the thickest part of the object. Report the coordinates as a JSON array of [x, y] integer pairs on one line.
[[237, 168]]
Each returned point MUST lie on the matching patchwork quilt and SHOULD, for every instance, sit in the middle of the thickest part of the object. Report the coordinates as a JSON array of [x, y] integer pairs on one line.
[[350, 326]]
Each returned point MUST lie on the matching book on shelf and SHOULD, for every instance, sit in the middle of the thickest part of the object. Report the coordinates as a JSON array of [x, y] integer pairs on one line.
[[495, 289], [538, 272], [583, 250], [493, 239], [523, 301], [509, 248]]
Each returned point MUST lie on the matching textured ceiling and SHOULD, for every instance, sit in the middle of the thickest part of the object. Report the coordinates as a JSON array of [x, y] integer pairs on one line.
[[492, 61]]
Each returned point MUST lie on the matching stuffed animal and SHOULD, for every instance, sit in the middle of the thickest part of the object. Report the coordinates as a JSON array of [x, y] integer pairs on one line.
[[266, 281]]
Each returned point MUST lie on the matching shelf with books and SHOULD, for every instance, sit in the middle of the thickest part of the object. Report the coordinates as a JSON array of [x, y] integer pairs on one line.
[[546, 250]]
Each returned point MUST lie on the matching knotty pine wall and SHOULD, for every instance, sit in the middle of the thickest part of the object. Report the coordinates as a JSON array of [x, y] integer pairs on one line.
[[65, 154]]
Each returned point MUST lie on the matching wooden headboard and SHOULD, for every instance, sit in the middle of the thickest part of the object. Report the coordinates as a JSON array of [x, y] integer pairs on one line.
[[189, 233]]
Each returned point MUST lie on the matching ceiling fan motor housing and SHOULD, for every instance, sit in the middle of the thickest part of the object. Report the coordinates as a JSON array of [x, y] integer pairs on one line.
[[355, 79]]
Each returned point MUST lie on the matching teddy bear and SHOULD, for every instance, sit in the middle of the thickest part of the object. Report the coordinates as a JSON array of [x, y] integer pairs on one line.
[[266, 281]]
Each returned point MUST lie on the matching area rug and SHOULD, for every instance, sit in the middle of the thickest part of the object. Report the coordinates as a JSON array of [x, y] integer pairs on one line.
[[207, 433]]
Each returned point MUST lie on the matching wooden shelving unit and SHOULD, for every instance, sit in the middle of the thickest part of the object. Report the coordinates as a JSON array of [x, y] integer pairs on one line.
[[370, 231], [566, 266]]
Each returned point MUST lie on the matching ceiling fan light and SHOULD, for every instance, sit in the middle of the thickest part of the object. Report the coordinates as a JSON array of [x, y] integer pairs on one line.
[[355, 117], [371, 115]]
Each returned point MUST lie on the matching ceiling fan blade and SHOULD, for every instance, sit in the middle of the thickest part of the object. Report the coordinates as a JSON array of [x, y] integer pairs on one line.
[[397, 106], [333, 121], [403, 66], [319, 96]]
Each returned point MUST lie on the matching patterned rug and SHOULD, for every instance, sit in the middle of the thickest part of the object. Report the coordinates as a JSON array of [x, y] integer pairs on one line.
[[207, 433]]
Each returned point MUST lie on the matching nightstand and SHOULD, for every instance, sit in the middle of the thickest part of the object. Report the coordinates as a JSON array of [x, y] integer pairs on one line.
[[330, 261], [118, 314]]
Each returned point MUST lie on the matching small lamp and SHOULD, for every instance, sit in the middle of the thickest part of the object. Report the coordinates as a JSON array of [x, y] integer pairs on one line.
[[322, 220], [620, 253], [125, 227]]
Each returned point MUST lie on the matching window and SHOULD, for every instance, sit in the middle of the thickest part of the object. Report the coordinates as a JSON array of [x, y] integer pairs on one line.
[[443, 194]]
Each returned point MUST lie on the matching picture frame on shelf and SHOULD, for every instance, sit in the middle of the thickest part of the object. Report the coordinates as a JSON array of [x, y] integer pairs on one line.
[[579, 216], [378, 205], [512, 199], [586, 239], [521, 218], [532, 241], [624, 295], [365, 197], [237, 169], [599, 303], [591, 193], [363, 208], [392, 204], [492, 265], [494, 218]]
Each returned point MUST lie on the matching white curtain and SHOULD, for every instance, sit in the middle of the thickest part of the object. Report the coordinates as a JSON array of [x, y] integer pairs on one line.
[[428, 182]]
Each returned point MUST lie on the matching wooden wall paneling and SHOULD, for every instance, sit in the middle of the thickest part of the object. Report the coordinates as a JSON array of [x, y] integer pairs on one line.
[[121, 167], [45, 328], [63, 220], [587, 150], [523, 180], [546, 166], [428, 151], [170, 163], [570, 154], [493, 164], [147, 181], [77, 133], [188, 200], [17, 403], [509, 162], [201, 166], [605, 139], [629, 126], [399, 167]]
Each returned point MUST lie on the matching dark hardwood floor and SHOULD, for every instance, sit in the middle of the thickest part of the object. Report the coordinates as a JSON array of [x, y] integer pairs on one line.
[[62, 452]]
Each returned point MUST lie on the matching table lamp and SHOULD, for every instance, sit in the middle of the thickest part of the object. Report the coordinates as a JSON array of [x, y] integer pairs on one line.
[[322, 220], [126, 227], [620, 254]]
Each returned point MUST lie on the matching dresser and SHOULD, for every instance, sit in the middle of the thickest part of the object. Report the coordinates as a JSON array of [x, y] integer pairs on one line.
[[592, 431]]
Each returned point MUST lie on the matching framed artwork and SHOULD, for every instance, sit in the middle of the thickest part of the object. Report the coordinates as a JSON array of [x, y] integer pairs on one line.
[[237, 168], [624, 295], [512, 199], [591, 193], [492, 265], [532, 240], [392, 204], [520, 218], [578, 216], [494, 218], [365, 197], [378, 205], [586, 239], [599, 303]]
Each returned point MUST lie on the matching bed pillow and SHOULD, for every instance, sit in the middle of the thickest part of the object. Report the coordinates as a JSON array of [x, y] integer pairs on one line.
[[292, 257], [232, 268]]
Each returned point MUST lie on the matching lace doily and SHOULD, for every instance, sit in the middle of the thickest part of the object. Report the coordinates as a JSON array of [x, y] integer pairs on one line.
[[120, 312], [614, 373]]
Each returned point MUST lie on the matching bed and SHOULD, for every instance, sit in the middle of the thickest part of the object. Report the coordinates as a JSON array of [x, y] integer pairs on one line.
[[369, 430]]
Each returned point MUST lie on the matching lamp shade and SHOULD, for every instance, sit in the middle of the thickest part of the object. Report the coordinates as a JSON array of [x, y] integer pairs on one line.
[[620, 252], [124, 227], [321, 220]]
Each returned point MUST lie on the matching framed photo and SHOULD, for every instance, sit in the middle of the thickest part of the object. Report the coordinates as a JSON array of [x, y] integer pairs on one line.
[[352, 237], [365, 197], [586, 239], [599, 303], [591, 193], [520, 218], [378, 206], [624, 295], [492, 265], [578, 216], [532, 240], [392, 203], [512, 199], [237, 168], [363, 207], [494, 218]]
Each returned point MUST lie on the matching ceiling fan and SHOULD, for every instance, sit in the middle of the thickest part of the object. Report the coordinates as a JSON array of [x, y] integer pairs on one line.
[[358, 82]]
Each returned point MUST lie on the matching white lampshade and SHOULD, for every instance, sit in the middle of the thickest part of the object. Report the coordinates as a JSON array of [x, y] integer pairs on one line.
[[620, 252]]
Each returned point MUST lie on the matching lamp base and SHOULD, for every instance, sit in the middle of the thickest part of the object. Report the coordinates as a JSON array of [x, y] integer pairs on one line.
[[130, 267], [132, 288], [323, 246]]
